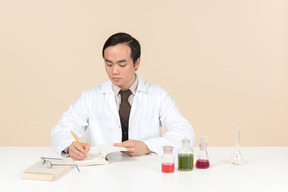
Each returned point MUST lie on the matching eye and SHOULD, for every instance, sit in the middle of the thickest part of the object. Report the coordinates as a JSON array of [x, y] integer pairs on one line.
[[123, 65], [109, 65]]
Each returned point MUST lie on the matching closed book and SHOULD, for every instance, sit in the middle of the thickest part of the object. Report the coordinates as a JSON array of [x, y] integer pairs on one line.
[[42, 172]]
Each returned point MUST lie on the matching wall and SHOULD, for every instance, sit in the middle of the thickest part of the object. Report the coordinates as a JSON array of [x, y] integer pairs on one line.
[[222, 61]]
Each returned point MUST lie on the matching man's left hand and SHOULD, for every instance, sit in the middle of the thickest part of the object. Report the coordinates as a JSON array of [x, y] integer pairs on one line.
[[134, 147]]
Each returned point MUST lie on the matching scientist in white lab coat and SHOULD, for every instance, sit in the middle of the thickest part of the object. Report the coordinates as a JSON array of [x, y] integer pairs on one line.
[[149, 107]]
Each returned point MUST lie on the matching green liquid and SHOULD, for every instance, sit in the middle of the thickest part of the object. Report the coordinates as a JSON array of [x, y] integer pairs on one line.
[[185, 162]]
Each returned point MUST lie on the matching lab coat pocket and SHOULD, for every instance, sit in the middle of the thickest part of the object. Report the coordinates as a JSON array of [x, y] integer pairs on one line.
[[150, 130]]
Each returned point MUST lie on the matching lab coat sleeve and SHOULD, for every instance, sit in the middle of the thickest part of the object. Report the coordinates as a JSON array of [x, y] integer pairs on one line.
[[75, 119], [176, 127]]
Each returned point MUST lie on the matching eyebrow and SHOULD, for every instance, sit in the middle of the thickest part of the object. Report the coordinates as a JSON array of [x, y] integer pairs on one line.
[[106, 60], [120, 61]]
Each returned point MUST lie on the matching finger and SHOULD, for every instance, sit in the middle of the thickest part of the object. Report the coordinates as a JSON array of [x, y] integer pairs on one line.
[[129, 153], [129, 144], [86, 147], [118, 145], [83, 148], [130, 148], [76, 154], [75, 157], [78, 146], [126, 152], [76, 151]]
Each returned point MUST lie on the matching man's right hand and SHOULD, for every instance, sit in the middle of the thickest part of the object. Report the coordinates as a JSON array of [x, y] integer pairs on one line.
[[77, 152]]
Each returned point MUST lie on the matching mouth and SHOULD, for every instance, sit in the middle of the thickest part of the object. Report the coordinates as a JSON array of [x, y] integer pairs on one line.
[[116, 79]]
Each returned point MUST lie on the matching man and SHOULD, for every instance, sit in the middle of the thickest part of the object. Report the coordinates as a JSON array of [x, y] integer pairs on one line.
[[126, 110]]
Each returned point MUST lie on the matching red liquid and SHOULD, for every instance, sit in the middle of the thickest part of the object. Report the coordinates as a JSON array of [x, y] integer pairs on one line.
[[168, 167], [202, 164]]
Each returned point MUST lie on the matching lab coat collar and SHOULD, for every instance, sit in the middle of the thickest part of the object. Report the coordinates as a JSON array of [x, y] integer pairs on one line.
[[141, 87], [106, 87]]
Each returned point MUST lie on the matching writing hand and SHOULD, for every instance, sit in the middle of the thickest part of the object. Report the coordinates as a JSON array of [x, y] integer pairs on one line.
[[77, 152], [134, 147]]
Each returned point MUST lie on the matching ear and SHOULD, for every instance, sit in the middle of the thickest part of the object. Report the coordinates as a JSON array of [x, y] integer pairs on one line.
[[137, 64]]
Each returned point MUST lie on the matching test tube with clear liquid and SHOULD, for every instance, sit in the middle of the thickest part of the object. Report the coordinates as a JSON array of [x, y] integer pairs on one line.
[[237, 158]]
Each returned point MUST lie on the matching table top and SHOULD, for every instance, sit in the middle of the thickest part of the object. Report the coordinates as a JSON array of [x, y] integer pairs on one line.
[[265, 169]]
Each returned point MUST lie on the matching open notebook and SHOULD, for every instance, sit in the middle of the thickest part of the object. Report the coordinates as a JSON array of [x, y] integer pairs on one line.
[[98, 155]]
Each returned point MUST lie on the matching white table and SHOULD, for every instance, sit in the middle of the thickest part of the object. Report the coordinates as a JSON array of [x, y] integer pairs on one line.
[[265, 169]]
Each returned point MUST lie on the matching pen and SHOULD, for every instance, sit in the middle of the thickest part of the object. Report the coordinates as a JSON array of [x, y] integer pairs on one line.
[[77, 141]]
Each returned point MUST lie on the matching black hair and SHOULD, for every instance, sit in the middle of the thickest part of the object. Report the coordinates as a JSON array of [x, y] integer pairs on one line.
[[120, 38]]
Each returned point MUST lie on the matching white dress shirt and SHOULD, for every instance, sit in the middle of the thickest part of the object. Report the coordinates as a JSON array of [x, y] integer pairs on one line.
[[117, 95]]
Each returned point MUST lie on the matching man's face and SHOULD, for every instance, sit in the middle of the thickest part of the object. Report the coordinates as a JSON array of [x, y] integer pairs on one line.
[[119, 65]]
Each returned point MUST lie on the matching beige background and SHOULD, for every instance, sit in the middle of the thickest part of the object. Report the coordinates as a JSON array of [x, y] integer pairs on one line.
[[222, 61]]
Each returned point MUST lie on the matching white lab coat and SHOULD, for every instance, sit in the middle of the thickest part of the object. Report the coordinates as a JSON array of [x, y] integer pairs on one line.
[[152, 107]]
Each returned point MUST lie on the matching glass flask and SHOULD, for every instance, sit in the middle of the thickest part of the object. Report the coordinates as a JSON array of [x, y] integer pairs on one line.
[[237, 158], [167, 159], [185, 156], [203, 160]]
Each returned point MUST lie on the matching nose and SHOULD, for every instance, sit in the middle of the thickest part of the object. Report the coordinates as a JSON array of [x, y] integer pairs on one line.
[[115, 69]]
